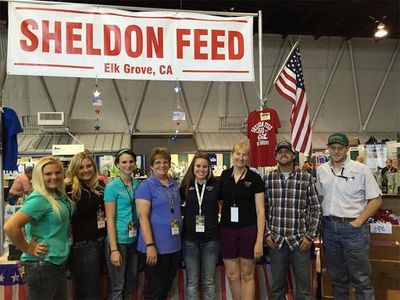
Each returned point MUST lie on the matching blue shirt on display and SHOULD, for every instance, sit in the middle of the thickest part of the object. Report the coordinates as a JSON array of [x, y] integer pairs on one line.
[[11, 127]]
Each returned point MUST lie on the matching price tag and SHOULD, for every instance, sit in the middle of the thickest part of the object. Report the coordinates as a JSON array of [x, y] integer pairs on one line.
[[385, 228]]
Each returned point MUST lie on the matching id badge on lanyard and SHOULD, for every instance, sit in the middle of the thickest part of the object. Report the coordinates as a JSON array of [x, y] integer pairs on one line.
[[132, 232], [200, 223], [234, 208], [174, 227], [101, 219], [200, 219], [234, 214]]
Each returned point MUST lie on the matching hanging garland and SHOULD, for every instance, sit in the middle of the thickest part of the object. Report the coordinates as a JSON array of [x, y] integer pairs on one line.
[[178, 115], [97, 103]]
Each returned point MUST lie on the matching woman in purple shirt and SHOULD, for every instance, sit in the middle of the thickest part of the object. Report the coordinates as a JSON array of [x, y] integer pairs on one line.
[[158, 206]]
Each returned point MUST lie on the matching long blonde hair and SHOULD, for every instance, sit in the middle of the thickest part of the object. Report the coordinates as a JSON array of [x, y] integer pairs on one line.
[[73, 180], [39, 185]]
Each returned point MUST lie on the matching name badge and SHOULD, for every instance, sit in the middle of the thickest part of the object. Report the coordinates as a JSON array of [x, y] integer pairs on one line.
[[174, 227], [21, 270], [101, 219], [132, 230], [234, 214], [200, 223]]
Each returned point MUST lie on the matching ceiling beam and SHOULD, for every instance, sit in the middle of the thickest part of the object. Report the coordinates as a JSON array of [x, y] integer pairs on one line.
[[46, 91], [328, 83], [355, 85], [378, 94]]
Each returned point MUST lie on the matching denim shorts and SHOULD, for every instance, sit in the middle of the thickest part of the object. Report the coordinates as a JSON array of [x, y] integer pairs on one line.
[[238, 242]]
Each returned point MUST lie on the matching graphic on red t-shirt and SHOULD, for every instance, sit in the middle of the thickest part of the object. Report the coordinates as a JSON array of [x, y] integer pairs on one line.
[[262, 127]]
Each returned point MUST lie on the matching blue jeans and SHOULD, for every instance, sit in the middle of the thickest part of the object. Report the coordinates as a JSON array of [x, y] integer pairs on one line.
[[346, 250], [206, 254], [300, 261], [123, 279], [45, 281], [85, 262]]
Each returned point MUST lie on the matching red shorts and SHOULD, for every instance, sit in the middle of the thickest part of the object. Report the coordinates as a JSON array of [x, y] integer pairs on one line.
[[238, 242]]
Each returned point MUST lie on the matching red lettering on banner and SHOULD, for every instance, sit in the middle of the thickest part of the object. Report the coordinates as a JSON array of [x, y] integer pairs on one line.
[[156, 43], [199, 43], [89, 41], [165, 70], [138, 41], [71, 37], [216, 44], [111, 68], [48, 36], [180, 42], [115, 48], [133, 41], [233, 44], [32, 43], [235, 38]]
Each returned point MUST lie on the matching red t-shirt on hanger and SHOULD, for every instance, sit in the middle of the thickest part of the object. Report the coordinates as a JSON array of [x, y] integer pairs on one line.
[[262, 127]]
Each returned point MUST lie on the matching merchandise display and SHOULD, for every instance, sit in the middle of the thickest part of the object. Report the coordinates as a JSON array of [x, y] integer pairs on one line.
[[262, 127]]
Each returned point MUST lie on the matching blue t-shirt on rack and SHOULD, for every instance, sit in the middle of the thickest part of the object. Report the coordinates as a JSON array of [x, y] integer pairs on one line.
[[11, 127]]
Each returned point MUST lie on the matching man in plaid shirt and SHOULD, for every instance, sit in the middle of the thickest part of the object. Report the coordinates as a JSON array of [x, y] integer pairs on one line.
[[292, 212]]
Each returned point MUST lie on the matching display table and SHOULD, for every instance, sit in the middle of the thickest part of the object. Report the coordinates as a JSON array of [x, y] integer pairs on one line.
[[12, 288]]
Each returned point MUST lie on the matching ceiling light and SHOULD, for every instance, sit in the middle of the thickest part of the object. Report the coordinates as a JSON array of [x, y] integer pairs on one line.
[[381, 30]]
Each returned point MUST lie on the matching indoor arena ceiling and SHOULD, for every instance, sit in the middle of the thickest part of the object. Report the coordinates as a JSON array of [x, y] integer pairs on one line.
[[346, 18]]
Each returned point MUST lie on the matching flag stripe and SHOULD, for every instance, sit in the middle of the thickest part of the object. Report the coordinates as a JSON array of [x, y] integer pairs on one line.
[[290, 85]]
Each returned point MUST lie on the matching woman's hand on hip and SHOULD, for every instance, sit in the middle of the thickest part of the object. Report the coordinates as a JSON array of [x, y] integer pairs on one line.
[[37, 249]]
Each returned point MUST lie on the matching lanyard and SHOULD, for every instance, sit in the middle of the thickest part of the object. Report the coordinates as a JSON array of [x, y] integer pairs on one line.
[[170, 198], [129, 194], [234, 188], [200, 196]]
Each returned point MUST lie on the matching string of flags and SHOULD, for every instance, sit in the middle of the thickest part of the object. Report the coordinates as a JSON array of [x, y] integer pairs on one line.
[[178, 115], [97, 103]]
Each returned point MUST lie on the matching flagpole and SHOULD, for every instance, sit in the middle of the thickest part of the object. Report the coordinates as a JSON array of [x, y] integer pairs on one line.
[[284, 63]]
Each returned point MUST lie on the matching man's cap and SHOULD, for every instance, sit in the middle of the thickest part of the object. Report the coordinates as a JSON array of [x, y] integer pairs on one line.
[[338, 138], [286, 145]]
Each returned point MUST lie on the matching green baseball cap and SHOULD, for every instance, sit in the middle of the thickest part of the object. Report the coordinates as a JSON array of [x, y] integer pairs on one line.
[[338, 138]]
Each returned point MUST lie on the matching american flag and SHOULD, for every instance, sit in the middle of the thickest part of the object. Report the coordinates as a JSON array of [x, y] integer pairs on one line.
[[290, 84]]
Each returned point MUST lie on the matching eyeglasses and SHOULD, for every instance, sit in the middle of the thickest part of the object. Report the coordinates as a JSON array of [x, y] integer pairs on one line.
[[342, 176], [161, 162]]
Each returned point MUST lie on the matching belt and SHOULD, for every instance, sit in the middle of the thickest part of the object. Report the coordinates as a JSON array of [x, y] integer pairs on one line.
[[42, 263], [339, 219], [88, 242]]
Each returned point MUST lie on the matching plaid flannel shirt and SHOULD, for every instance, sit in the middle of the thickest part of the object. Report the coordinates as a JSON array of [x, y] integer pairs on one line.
[[292, 207]]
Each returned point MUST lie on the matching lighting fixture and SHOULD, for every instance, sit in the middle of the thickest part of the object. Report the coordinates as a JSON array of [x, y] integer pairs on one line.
[[381, 30]]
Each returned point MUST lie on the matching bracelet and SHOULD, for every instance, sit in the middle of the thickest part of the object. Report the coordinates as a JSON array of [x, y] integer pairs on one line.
[[114, 250], [150, 244]]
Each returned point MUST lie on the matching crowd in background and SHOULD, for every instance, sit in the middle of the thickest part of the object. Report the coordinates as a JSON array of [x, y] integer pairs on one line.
[[90, 226]]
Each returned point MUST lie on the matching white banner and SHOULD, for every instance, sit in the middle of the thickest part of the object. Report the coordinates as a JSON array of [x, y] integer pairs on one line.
[[88, 41]]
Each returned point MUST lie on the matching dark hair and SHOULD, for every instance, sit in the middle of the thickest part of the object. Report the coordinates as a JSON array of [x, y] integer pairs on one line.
[[189, 176], [124, 151], [162, 151]]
